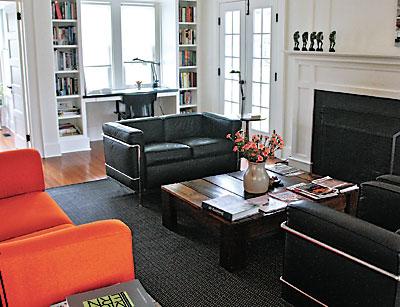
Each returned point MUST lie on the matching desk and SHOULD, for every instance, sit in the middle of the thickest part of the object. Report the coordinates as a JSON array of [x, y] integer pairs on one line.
[[99, 106], [116, 94]]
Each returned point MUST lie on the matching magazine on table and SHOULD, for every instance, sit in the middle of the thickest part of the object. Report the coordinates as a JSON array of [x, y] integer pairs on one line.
[[127, 294], [287, 196], [314, 191], [332, 183], [284, 169]]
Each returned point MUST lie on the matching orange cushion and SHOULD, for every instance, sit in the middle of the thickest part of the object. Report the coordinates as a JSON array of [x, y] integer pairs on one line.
[[39, 233], [27, 213], [20, 172]]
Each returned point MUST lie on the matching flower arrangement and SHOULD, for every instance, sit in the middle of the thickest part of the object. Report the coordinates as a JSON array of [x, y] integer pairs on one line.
[[259, 149]]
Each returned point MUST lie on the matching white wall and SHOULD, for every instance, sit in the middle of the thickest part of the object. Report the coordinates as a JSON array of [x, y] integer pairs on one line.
[[363, 27], [39, 53]]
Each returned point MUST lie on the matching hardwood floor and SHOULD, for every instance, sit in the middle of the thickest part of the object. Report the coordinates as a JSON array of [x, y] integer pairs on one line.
[[75, 167]]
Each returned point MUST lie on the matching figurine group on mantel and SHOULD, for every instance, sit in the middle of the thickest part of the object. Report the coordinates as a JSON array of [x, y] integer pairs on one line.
[[314, 37]]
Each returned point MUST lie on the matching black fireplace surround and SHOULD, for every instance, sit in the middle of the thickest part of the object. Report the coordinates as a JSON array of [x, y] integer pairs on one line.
[[355, 137]]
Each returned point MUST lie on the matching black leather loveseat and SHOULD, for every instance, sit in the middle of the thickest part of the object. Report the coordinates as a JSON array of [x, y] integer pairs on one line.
[[169, 149], [341, 260]]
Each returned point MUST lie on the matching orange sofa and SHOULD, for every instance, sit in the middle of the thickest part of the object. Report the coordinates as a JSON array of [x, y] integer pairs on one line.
[[44, 257]]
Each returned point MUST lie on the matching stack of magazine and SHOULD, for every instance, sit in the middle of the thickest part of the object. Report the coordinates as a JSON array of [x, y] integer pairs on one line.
[[325, 187]]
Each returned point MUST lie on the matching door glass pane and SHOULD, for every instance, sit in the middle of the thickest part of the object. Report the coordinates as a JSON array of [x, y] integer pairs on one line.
[[236, 22], [261, 67], [232, 62], [228, 22]]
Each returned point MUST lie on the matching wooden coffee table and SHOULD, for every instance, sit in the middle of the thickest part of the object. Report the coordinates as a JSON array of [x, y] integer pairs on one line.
[[234, 236]]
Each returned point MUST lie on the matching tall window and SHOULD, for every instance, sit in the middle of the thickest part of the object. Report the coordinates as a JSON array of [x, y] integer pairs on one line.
[[113, 34], [96, 41], [138, 41]]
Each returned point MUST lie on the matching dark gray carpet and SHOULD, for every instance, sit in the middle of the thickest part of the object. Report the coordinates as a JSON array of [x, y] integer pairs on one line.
[[178, 269]]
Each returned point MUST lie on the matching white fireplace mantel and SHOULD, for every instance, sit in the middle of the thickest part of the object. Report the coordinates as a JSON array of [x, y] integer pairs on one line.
[[362, 74]]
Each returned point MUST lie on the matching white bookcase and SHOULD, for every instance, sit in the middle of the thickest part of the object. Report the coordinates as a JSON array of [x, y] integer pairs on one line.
[[187, 56], [68, 72]]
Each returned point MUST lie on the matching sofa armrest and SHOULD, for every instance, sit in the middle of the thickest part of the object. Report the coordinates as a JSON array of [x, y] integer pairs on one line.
[[123, 133], [379, 204], [391, 179], [20, 172], [220, 126], [346, 233], [42, 270]]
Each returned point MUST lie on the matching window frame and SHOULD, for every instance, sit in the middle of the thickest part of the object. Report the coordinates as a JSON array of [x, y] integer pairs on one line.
[[117, 64]]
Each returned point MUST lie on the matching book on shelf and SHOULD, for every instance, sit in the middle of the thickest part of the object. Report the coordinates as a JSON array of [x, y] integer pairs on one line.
[[65, 60], [187, 14], [188, 110], [187, 58], [230, 207], [185, 98], [68, 129], [69, 111], [67, 86], [188, 79], [64, 35], [63, 9], [187, 36], [333, 183], [127, 294], [284, 169], [313, 191]]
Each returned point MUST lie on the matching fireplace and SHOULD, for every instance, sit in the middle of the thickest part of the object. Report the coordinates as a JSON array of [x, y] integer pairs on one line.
[[355, 138]]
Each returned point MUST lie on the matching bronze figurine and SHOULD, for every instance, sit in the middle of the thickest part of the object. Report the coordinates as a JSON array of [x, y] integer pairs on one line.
[[320, 39], [304, 37], [296, 37], [313, 37], [332, 41]]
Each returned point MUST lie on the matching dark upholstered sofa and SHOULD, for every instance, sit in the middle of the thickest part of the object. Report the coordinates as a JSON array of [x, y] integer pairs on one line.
[[340, 260], [169, 149]]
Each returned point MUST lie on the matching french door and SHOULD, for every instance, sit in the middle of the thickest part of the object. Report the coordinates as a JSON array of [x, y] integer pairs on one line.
[[246, 36]]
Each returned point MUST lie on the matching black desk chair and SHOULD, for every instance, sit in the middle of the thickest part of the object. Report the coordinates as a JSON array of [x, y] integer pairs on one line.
[[136, 105]]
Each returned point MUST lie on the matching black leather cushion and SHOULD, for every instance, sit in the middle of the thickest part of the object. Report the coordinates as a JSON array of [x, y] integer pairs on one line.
[[391, 179], [160, 153], [215, 125], [182, 126], [123, 133], [206, 147], [152, 127]]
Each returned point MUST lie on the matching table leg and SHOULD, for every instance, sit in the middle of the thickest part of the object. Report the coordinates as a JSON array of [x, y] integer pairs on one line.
[[169, 216], [233, 248]]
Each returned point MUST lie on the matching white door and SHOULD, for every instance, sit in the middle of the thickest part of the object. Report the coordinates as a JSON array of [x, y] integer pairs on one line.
[[232, 55], [14, 87], [256, 59]]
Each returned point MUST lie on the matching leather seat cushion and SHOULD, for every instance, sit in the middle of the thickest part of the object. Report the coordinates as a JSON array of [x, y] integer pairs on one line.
[[28, 213], [205, 147], [160, 153]]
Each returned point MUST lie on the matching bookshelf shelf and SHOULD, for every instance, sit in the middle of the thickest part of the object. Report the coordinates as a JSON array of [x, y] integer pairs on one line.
[[64, 20], [188, 106], [66, 72], [64, 117], [187, 55], [188, 89], [68, 97], [65, 46]]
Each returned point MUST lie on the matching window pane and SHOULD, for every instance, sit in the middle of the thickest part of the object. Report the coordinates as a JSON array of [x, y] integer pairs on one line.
[[97, 78], [138, 25], [96, 36], [236, 22], [267, 20], [257, 45], [266, 66], [257, 21], [266, 46], [256, 70], [228, 45], [236, 46], [228, 22]]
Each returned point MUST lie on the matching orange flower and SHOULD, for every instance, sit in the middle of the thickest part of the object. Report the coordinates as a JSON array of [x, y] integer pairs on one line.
[[235, 149], [228, 136], [260, 158]]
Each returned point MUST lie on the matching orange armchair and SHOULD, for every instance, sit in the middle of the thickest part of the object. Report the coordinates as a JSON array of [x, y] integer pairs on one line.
[[43, 256]]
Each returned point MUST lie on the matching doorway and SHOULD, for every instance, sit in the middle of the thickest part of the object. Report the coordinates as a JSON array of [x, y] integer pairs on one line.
[[248, 45], [14, 116]]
